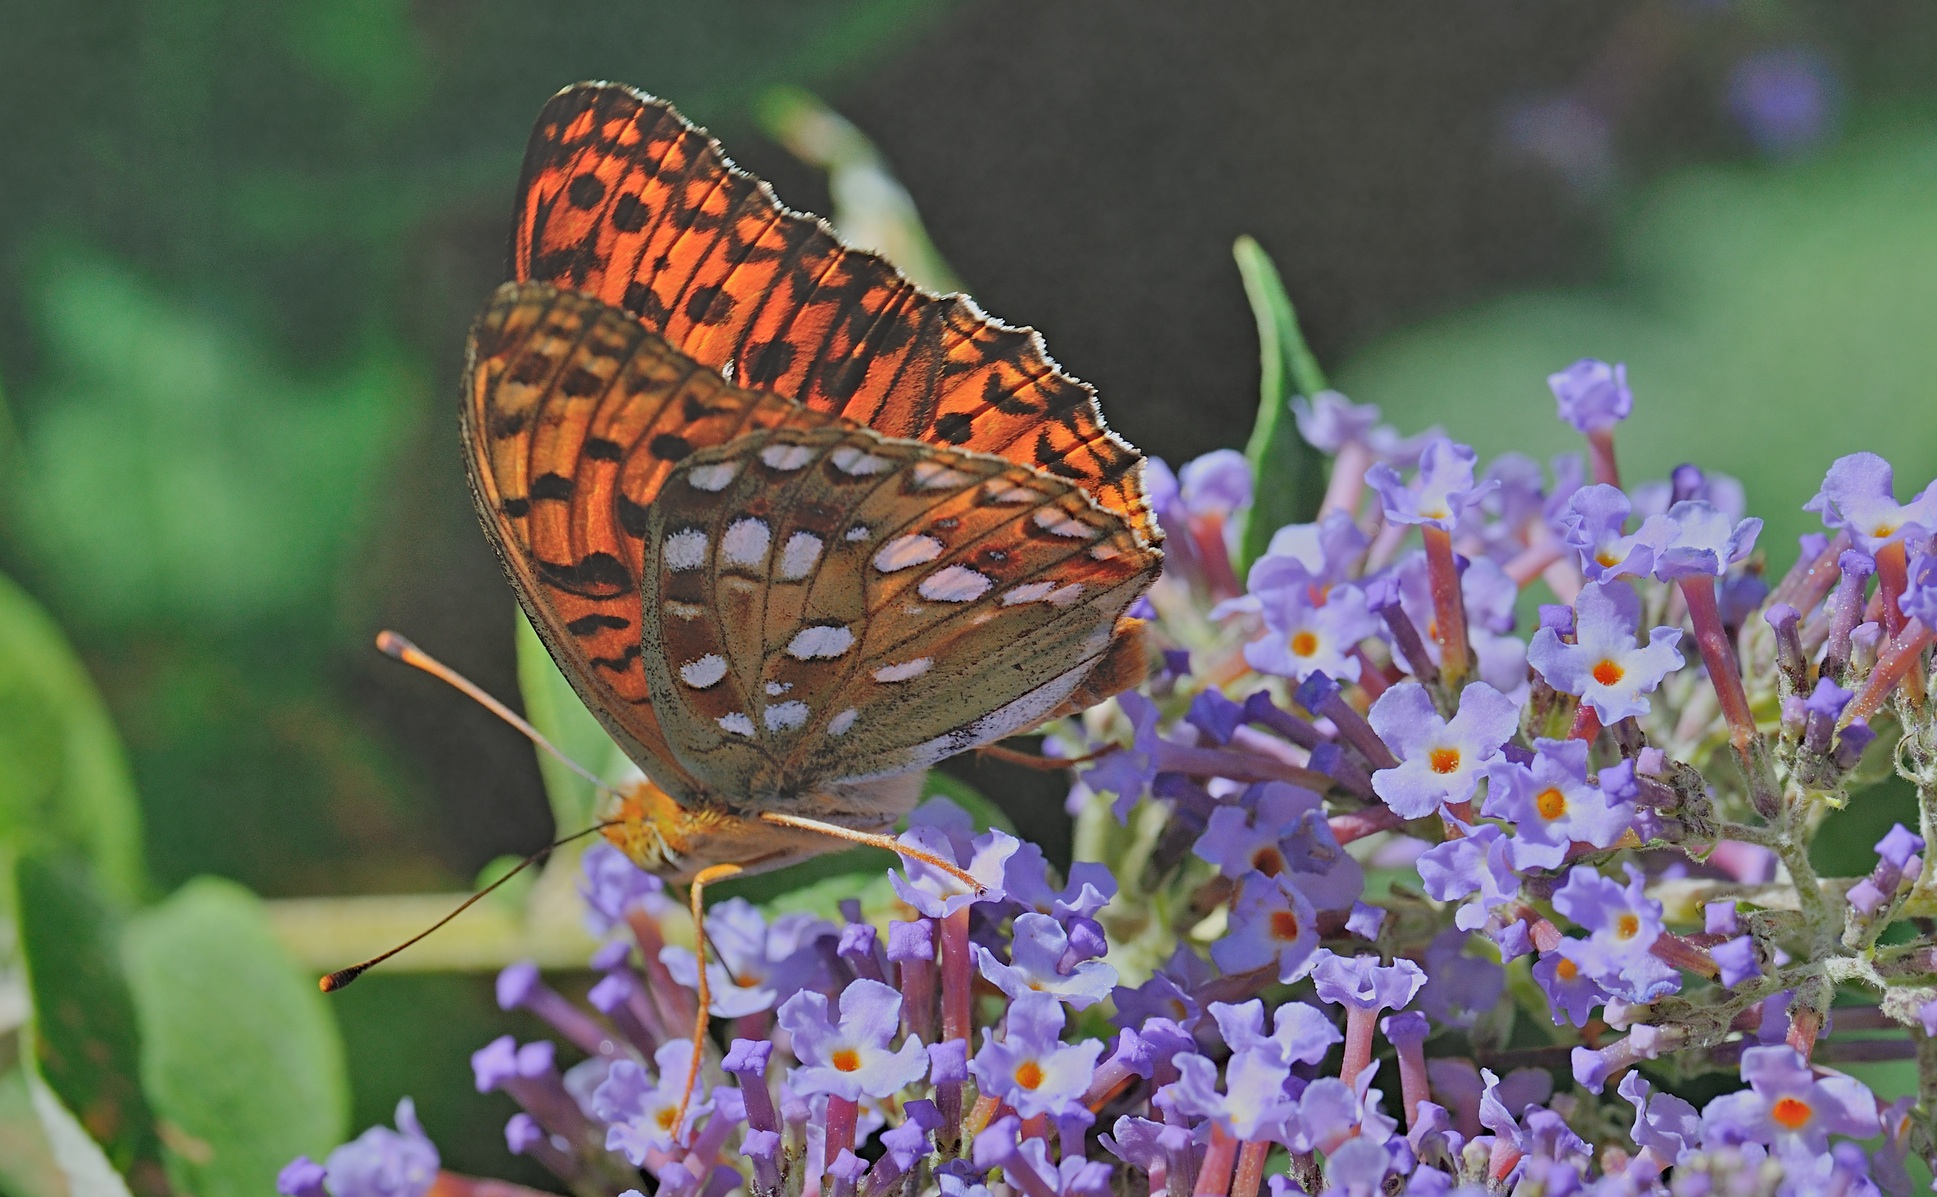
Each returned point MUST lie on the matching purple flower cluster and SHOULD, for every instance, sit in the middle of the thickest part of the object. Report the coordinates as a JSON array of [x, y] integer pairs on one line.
[[1381, 893]]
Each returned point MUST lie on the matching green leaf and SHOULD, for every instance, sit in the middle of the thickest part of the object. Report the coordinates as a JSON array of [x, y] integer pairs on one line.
[[556, 710], [28, 1166], [86, 1042], [1288, 473], [240, 1054], [63, 779]]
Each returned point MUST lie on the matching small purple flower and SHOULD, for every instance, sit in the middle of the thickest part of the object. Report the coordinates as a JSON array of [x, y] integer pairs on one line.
[[1784, 99], [1663, 1123], [1216, 484], [1362, 983], [1591, 524], [1035, 959], [1327, 552], [1129, 771], [1736, 958], [1786, 1102], [1703, 542], [1329, 421], [851, 1058], [382, 1162], [1254, 1104], [302, 1177], [1281, 829], [1552, 806], [1476, 864], [1459, 989], [937, 894], [639, 1111], [1441, 760], [1919, 598], [1302, 637], [612, 885], [1899, 846], [1592, 394], [1623, 923], [1029, 1067], [1604, 666], [1571, 993], [1270, 922], [755, 962], [1439, 495], [1301, 1033], [1365, 920], [1859, 497]]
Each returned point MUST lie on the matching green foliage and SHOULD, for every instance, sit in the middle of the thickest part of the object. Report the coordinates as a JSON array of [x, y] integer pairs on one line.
[[86, 1042], [556, 710], [240, 1054], [1289, 473], [63, 779], [171, 473], [1772, 317]]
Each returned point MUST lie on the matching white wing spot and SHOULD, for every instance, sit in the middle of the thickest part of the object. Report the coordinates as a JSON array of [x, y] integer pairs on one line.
[[850, 459], [1003, 491], [776, 689], [797, 559], [905, 551], [784, 716], [745, 542], [954, 584], [905, 670], [712, 478], [838, 725], [1061, 523], [704, 672], [786, 457], [1106, 552], [858, 532], [1029, 592], [820, 641], [737, 723], [1064, 596], [686, 611], [686, 549], [933, 475]]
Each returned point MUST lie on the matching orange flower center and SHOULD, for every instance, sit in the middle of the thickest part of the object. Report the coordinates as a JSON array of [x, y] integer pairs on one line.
[[1551, 803], [1267, 861], [1883, 530], [1607, 558], [1608, 673], [1627, 926], [1567, 970], [665, 1117], [1029, 1074], [1304, 644], [1443, 760], [746, 982], [1284, 926], [1791, 1113], [847, 1060]]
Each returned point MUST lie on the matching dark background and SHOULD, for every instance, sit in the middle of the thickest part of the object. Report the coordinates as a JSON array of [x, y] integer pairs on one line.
[[241, 244]]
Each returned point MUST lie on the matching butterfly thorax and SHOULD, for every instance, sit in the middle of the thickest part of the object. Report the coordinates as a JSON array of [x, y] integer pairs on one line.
[[674, 839]]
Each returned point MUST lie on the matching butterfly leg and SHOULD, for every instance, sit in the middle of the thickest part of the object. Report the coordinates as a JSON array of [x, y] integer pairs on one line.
[[695, 889], [873, 840]]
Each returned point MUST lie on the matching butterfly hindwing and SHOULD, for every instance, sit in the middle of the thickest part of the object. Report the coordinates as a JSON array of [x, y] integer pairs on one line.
[[827, 605], [624, 199], [574, 416]]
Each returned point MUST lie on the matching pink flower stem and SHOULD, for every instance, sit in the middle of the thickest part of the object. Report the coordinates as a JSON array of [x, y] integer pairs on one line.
[[1532, 561], [1371, 677], [957, 1003], [1236, 766], [1214, 1175], [674, 1001], [1348, 480], [1449, 606], [1414, 1088], [1208, 533], [1600, 451], [1892, 578], [1711, 637], [1892, 666], [841, 1116], [1806, 584], [1359, 1026], [1587, 724], [1674, 950], [1251, 1160], [1359, 824], [456, 1184]]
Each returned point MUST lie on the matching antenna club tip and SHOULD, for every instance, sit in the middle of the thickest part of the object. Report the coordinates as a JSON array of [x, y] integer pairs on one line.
[[338, 979], [390, 644]]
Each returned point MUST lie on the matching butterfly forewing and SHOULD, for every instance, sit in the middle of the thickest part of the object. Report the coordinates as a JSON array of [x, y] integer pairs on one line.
[[574, 417], [826, 604], [625, 200]]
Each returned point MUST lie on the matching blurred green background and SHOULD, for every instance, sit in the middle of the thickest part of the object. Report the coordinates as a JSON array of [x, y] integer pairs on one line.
[[241, 242]]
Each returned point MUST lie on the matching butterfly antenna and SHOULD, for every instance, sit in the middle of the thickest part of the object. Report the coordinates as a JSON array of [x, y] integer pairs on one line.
[[392, 645], [1046, 764], [343, 976]]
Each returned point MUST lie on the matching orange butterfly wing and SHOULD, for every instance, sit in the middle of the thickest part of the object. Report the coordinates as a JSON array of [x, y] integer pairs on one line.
[[574, 416], [622, 198]]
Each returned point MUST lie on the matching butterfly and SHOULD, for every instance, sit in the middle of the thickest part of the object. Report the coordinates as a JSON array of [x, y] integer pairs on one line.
[[794, 529]]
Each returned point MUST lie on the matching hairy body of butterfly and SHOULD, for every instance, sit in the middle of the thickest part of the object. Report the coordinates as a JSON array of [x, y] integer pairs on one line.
[[907, 535]]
